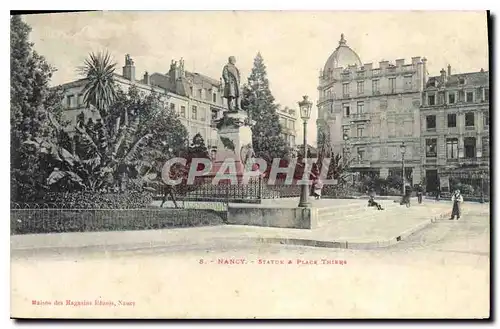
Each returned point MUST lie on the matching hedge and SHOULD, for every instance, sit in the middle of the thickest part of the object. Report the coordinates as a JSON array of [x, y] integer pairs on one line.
[[28, 221]]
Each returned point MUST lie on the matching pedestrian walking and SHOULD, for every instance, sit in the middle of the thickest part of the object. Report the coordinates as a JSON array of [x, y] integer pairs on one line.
[[317, 187], [420, 191], [438, 192], [457, 200]]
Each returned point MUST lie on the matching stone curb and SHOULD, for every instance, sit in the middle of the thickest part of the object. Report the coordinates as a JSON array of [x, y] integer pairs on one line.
[[355, 245]]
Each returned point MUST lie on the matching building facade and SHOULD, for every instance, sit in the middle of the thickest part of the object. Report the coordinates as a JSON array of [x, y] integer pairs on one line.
[[288, 118], [367, 112], [455, 128], [196, 98]]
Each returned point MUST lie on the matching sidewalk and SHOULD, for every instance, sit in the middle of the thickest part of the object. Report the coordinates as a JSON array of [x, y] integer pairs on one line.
[[367, 230]]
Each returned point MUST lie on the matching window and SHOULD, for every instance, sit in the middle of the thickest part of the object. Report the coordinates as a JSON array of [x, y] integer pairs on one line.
[[461, 96], [200, 93], [470, 147], [172, 106], [361, 87], [194, 112], [361, 106], [214, 97], [183, 111], [291, 124], [461, 81], [451, 98], [214, 114], [486, 146], [486, 94], [80, 99], [345, 89], [486, 119], [431, 99], [191, 91], [469, 97], [360, 131], [469, 119], [69, 101], [431, 148], [431, 122], [375, 86], [408, 82], [452, 120], [452, 148], [361, 154], [346, 133], [347, 110], [392, 85], [292, 141], [283, 122], [203, 113]]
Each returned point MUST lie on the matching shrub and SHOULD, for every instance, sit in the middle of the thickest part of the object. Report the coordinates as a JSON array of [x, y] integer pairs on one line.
[[128, 200], [31, 221]]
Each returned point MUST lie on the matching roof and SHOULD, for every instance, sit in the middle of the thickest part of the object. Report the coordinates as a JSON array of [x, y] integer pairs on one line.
[[471, 79], [343, 56]]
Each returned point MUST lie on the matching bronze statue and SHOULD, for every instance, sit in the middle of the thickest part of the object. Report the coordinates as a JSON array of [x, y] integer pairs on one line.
[[231, 76]]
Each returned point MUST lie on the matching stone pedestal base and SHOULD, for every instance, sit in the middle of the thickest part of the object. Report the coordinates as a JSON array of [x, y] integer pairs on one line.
[[235, 139]]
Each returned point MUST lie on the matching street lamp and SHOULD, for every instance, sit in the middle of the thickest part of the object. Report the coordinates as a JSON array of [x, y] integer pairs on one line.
[[305, 112], [403, 150]]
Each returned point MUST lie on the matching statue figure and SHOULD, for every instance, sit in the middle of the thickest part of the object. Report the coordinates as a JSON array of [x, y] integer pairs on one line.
[[247, 154], [231, 76]]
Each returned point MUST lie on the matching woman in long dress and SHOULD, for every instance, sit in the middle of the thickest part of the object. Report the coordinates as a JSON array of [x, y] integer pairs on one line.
[[457, 200]]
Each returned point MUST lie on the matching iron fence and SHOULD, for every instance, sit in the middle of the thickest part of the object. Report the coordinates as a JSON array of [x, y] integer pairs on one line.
[[51, 218], [207, 189]]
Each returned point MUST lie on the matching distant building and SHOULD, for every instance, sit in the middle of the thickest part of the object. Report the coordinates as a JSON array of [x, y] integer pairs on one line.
[[196, 98], [455, 127], [368, 112], [288, 117]]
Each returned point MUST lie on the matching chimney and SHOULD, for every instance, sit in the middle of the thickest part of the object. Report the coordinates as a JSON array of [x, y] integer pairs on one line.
[[172, 73], [415, 60], [400, 62], [147, 79], [424, 73], [443, 76], [383, 64], [368, 66], [449, 70], [129, 68]]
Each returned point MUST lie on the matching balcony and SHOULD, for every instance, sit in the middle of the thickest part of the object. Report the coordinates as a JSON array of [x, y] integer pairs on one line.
[[359, 140], [430, 160], [360, 117], [360, 163]]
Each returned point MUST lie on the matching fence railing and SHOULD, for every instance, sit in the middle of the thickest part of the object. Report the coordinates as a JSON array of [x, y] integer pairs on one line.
[[256, 189], [51, 218]]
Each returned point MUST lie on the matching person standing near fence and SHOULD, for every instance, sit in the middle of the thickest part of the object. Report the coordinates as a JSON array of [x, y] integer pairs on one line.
[[457, 200]]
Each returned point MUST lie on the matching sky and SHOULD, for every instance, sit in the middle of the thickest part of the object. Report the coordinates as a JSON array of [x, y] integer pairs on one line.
[[295, 45]]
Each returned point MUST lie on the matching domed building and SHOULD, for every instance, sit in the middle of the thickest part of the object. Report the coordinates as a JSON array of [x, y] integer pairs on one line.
[[365, 112], [343, 56]]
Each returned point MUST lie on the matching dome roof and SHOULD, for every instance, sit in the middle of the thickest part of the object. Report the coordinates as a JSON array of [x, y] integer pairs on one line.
[[343, 56]]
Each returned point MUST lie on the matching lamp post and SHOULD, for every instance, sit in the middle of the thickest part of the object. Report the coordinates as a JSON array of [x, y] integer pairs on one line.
[[403, 150], [305, 112]]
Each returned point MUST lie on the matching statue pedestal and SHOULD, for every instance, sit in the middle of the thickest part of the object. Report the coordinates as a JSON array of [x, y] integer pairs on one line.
[[235, 135]]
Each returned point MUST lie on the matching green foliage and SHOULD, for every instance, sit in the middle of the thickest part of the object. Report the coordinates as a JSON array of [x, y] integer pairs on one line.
[[100, 90], [138, 136], [258, 101], [32, 105], [228, 143]]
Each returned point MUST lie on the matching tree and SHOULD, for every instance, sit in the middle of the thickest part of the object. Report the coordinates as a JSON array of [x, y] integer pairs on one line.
[[143, 135], [32, 104], [258, 101], [197, 149]]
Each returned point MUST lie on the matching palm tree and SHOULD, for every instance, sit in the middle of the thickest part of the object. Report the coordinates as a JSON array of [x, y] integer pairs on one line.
[[100, 90]]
